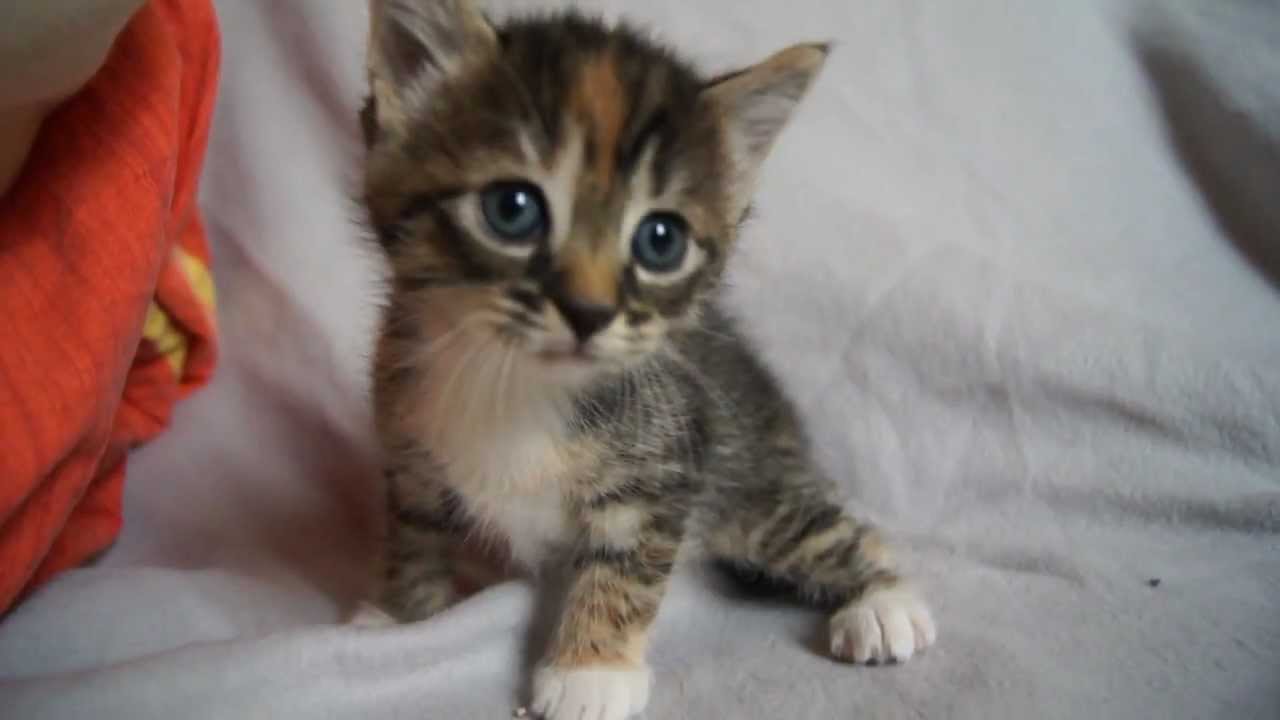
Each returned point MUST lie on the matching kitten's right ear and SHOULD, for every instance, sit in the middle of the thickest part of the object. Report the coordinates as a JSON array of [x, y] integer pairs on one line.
[[755, 104], [413, 46]]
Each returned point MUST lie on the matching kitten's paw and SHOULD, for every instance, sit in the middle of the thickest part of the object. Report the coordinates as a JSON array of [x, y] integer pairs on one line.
[[888, 625], [368, 615], [593, 692]]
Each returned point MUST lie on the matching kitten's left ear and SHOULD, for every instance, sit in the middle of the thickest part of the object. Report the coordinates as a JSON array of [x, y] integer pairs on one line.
[[755, 105], [413, 46]]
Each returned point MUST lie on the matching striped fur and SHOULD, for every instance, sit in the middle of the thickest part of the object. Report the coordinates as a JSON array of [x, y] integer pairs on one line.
[[607, 453]]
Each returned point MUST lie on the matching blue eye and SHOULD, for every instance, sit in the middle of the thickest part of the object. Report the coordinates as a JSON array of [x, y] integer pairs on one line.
[[514, 210], [660, 242]]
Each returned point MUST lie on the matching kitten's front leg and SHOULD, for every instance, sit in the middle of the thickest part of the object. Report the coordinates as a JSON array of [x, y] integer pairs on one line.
[[595, 666], [420, 555]]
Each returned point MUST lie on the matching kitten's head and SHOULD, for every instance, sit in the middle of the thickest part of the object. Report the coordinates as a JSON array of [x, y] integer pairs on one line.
[[561, 187]]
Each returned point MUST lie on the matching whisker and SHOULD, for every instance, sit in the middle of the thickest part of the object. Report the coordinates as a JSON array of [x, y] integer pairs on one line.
[[504, 370], [423, 352], [444, 397], [479, 367], [715, 334], [526, 319]]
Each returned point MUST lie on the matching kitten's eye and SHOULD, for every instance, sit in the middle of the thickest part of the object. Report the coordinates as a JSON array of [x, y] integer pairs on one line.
[[660, 242], [514, 210]]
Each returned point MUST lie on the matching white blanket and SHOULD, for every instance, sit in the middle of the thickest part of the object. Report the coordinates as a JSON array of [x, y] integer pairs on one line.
[[1018, 262]]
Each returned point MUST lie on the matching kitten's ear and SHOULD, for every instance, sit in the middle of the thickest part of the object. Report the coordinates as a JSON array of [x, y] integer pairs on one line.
[[413, 45], [755, 105]]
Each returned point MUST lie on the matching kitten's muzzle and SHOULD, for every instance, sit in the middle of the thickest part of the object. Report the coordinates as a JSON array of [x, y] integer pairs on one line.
[[585, 291], [583, 317]]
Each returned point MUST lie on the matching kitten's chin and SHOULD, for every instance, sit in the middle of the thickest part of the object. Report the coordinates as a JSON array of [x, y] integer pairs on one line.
[[568, 368], [575, 368]]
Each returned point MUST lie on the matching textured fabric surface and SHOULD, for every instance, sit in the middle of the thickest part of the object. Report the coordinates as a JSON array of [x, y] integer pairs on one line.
[[104, 284], [1015, 260]]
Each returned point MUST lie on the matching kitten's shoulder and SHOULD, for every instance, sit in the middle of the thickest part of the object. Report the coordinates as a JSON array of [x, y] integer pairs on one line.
[[724, 354]]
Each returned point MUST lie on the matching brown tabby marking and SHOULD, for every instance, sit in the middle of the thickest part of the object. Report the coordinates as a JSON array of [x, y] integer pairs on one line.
[[591, 275], [601, 104]]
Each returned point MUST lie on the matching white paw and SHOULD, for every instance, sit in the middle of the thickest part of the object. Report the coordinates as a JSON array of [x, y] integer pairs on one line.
[[885, 626], [590, 693], [368, 615]]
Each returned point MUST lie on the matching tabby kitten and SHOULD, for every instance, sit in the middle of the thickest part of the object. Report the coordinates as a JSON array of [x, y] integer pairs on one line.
[[557, 199]]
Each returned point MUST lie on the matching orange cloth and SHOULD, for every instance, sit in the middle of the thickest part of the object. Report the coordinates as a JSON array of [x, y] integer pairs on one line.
[[106, 306]]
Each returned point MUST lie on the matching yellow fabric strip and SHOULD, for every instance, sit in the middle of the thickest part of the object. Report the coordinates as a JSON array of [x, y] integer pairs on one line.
[[160, 330], [198, 277], [167, 338]]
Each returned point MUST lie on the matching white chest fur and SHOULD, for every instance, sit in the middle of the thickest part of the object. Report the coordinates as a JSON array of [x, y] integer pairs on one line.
[[505, 456], [533, 524]]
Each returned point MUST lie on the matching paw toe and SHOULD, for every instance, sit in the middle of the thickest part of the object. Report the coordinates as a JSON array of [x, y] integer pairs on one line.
[[899, 635], [922, 624], [593, 693], [885, 626], [855, 635]]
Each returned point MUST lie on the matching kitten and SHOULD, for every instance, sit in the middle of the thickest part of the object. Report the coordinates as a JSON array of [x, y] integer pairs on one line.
[[557, 199]]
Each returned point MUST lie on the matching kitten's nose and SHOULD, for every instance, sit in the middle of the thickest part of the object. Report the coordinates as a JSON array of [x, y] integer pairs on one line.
[[584, 317]]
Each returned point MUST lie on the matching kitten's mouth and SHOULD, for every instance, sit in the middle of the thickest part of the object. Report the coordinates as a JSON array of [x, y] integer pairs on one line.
[[568, 353], [576, 357]]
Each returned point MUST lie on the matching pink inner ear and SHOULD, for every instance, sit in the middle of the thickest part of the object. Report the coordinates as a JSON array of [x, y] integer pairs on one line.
[[757, 102]]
